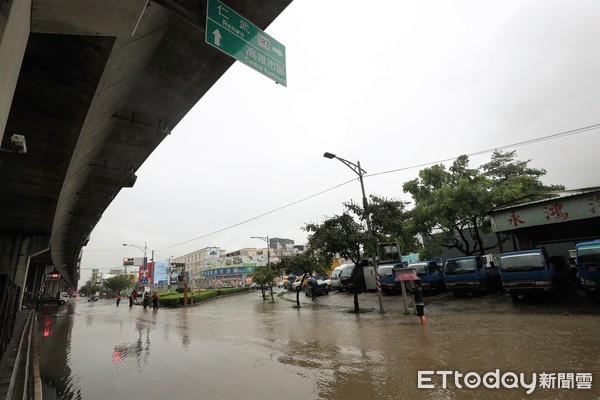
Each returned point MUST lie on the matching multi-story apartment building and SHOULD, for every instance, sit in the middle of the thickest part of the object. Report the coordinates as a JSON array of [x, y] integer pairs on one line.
[[279, 243], [213, 267], [198, 261]]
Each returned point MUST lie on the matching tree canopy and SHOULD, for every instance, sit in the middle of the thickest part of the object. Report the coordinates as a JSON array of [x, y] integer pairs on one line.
[[390, 222], [338, 236], [305, 263], [118, 283], [514, 182], [264, 276], [451, 205]]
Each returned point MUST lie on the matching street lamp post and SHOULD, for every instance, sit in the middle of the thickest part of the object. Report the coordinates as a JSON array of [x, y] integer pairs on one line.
[[360, 172], [145, 250]]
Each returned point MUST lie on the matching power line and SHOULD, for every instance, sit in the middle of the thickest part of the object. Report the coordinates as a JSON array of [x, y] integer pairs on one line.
[[518, 144], [513, 145], [508, 146], [259, 216]]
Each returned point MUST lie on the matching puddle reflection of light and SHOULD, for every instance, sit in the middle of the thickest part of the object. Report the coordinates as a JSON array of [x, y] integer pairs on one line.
[[47, 323], [116, 357]]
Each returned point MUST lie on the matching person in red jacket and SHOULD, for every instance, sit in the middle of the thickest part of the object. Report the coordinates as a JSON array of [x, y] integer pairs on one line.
[[155, 301]]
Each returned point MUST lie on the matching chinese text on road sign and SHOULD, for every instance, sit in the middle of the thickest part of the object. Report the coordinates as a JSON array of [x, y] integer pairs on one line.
[[231, 33]]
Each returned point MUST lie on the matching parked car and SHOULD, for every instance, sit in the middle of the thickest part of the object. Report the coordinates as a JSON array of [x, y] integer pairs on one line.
[[345, 278], [335, 277], [431, 275], [319, 288], [327, 280], [63, 297], [532, 271], [387, 277], [288, 281], [60, 298], [298, 282], [366, 280], [585, 269], [471, 274]]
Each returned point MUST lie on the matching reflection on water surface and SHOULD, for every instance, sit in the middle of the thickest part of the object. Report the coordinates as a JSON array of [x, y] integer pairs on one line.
[[241, 347]]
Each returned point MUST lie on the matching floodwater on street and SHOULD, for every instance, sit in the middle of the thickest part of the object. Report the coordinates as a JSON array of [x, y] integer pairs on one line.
[[241, 347]]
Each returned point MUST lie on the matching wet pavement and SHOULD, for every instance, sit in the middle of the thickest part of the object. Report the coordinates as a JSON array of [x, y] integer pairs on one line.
[[241, 347]]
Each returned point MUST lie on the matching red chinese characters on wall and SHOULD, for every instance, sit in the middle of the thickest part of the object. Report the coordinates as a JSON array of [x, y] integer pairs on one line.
[[556, 212], [515, 219], [594, 203]]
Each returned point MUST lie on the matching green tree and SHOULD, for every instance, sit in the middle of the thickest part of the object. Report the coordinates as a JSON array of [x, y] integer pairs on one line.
[[118, 283], [514, 182], [306, 263], [95, 289], [451, 205], [339, 236], [85, 290], [264, 276], [391, 222]]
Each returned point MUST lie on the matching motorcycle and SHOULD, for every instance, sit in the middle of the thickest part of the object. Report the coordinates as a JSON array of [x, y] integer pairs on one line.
[[93, 298]]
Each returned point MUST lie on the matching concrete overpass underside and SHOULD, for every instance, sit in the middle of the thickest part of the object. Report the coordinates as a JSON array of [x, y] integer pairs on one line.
[[94, 86]]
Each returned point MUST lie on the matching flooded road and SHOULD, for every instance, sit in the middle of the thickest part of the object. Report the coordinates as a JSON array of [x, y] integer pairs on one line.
[[240, 347]]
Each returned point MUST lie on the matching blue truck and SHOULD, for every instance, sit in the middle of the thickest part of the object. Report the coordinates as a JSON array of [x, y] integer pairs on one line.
[[471, 275], [587, 261], [387, 277], [530, 272], [431, 274]]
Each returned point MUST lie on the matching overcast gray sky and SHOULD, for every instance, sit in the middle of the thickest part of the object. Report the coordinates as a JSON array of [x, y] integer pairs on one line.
[[392, 84]]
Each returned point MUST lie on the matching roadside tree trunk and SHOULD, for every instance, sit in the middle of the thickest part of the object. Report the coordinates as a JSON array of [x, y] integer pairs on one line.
[[355, 289], [263, 289]]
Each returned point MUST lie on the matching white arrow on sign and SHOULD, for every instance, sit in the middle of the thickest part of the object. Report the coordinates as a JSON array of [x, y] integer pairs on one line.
[[217, 37], [279, 52]]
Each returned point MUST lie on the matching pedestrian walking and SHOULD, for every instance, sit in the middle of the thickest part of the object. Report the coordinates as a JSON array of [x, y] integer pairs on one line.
[[155, 301], [118, 298], [146, 299], [312, 283], [131, 300], [419, 304]]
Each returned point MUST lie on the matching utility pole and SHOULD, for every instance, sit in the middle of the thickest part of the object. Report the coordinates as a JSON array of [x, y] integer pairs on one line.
[[359, 171]]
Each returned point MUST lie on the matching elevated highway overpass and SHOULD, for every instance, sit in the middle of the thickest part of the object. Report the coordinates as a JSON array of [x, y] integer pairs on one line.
[[94, 86]]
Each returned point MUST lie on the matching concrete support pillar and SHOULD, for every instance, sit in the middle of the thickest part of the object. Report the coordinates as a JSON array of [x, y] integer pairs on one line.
[[29, 247], [37, 279], [15, 254]]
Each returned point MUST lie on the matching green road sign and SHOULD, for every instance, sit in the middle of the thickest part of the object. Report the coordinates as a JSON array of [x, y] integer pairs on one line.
[[233, 34]]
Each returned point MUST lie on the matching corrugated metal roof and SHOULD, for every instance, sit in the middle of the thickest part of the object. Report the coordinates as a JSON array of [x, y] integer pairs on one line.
[[558, 195]]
